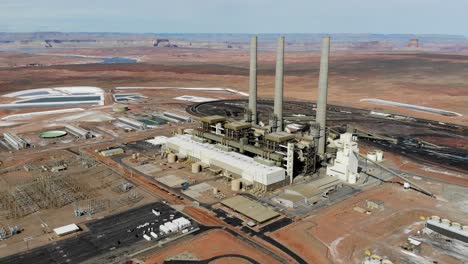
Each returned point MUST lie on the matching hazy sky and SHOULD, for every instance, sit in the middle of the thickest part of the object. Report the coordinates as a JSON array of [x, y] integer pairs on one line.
[[237, 16]]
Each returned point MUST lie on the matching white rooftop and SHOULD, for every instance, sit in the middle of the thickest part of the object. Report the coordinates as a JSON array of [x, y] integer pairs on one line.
[[66, 229]]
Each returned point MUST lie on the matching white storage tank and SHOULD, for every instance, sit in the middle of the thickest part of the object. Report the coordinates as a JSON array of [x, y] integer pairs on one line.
[[196, 167], [372, 155], [456, 225], [171, 158], [435, 218], [406, 185], [215, 191], [235, 185], [379, 155], [465, 227], [154, 235], [148, 238]]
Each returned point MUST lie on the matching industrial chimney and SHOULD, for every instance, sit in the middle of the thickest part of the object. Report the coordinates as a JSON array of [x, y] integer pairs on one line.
[[321, 115], [253, 81], [278, 107]]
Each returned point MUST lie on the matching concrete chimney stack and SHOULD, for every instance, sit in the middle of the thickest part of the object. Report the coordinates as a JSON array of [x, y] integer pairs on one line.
[[321, 115], [253, 80], [278, 107]]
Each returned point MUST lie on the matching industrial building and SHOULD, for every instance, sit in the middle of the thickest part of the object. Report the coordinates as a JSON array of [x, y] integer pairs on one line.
[[111, 152], [132, 123], [15, 141], [447, 228], [235, 164], [78, 132], [176, 118], [250, 208]]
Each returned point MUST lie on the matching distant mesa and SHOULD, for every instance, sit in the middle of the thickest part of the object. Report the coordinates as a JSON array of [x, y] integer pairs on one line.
[[413, 43]]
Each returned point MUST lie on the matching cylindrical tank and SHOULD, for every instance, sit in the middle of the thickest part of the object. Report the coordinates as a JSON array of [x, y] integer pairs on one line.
[[435, 218], [196, 167], [445, 221], [235, 185], [171, 158], [134, 156], [119, 108], [456, 225], [465, 227], [215, 190], [379, 155], [372, 155], [386, 261], [406, 185]]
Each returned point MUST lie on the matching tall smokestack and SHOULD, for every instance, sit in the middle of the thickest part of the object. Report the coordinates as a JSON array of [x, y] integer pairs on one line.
[[278, 108], [253, 80], [321, 115]]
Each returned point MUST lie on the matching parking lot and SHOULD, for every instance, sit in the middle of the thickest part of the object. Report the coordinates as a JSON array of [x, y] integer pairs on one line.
[[112, 236]]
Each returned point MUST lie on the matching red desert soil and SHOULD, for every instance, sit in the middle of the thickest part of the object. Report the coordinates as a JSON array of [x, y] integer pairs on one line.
[[211, 244], [432, 80], [338, 234]]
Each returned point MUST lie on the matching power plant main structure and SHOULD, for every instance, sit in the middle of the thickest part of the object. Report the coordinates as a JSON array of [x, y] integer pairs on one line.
[[262, 156]]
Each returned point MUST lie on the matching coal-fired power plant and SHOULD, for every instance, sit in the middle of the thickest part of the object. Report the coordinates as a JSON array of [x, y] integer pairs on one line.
[[265, 155]]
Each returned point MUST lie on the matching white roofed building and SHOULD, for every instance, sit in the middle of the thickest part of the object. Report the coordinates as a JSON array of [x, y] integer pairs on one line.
[[234, 163]]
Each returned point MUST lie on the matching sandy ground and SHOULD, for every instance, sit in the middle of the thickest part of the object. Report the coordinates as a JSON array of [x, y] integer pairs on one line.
[[211, 244], [338, 234], [432, 80]]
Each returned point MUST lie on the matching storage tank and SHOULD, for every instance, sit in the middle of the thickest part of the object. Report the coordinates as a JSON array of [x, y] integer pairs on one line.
[[456, 225], [445, 222], [215, 190], [435, 218], [235, 185], [148, 238], [372, 155], [406, 185], [386, 261], [153, 234], [379, 155], [134, 156], [465, 227], [119, 108], [171, 158], [196, 167]]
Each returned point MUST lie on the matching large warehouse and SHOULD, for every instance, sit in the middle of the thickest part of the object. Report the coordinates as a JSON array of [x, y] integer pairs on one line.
[[237, 164]]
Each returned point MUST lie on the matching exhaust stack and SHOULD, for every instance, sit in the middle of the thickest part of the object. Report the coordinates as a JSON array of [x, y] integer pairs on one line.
[[253, 81], [321, 114], [278, 107]]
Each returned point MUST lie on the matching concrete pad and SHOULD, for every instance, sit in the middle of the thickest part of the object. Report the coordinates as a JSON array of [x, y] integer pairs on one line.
[[171, 181], [148, 169]]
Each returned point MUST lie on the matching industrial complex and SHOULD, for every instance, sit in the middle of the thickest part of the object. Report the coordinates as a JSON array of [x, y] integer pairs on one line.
[[144, 174]]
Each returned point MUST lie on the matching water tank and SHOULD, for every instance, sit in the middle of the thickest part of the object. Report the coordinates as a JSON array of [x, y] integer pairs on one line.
[[235, 185], [445, 222], [372, 155], [134, 156], [386, 261], [456, 225], [379, 155], [196, 167], [435, 218], [171, 158], [406, 185], [215, 190], [465, 227]]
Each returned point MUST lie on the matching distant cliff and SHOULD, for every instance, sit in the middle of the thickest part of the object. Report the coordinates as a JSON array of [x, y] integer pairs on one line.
[[294, 42]]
